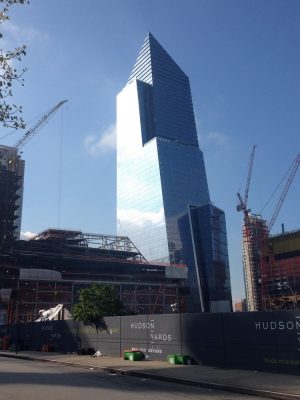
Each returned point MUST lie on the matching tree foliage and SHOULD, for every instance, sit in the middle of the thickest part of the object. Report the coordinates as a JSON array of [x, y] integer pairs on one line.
[[9, 75], [95, 303]]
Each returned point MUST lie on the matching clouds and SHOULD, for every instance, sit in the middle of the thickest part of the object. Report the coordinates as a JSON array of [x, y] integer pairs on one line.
[[135, 218], [15, 35], [27, 235], [213, 139], [215, 144], [216, 138], [103, 144]]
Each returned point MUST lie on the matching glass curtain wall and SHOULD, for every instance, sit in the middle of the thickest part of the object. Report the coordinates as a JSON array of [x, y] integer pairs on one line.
[[160, 167]]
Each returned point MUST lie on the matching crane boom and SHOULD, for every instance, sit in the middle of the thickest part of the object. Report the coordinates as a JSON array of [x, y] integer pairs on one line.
[[42, 121], [289, 181], [249, 175], [242, 206]]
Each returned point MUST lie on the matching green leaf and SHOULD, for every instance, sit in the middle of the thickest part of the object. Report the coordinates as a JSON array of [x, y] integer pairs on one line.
[[95, 303]]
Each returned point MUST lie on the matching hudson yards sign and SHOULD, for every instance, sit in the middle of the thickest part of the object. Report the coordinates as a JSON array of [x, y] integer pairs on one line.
[[292, 326], [150, 326], [155, 337], [280, 325]]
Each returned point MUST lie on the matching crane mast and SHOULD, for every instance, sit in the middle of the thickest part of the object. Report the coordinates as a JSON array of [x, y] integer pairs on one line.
[[249, 242], [35, 129]]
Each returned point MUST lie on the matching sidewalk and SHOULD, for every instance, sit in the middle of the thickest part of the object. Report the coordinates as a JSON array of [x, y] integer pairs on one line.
[[274, 386]]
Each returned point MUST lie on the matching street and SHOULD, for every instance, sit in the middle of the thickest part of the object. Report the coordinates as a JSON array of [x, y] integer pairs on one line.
[[29, 380]]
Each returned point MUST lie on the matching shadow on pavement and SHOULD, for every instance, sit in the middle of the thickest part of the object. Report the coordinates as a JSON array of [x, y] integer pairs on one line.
[[21, 372]]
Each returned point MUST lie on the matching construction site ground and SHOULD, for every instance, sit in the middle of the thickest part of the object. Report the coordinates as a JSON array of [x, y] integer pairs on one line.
[[269, 385]]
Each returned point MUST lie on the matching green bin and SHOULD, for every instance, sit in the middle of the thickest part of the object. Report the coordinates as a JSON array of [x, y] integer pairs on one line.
[[183, 359], [138, 356], [126, 355], [172, 359], [133, 355]]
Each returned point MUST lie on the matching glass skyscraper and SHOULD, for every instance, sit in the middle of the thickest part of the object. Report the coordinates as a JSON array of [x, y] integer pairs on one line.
[[163, 201]]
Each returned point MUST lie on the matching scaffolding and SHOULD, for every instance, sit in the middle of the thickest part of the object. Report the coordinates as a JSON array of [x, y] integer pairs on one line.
[[280, 271], [11, 186], [108, 245], [254, 231]]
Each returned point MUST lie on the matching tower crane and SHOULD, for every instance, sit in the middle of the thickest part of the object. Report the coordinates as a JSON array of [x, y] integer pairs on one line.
[[38, 126], [293, 168], [242, 206], [249, 247]]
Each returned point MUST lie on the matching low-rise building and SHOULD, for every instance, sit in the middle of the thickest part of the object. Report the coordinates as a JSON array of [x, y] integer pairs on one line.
[[53, 266], [280, 271]]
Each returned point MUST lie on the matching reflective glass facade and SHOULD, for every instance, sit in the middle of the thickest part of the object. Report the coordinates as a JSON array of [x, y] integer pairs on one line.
[[160, 168], [209, 239]]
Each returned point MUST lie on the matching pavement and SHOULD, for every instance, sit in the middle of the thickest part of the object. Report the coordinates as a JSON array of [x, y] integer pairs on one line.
[[263, 384]]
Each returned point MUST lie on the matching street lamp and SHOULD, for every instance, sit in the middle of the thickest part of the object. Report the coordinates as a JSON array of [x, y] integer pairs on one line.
[[285, 284]]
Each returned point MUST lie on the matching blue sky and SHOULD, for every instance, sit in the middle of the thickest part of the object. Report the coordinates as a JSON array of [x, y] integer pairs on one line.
[[242, 58]]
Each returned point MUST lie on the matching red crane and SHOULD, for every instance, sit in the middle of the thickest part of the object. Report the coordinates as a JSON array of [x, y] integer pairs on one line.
[[256, 232], [242, 206], [249, 244]]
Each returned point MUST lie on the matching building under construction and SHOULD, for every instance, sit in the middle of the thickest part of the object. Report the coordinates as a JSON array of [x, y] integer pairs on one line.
[[280, 271], [53, 266], [11, 195], [12, 182], [253, 234], [258, 263]]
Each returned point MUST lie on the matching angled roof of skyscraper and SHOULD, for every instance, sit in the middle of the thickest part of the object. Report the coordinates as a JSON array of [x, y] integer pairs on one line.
[[153, 60], [165, 88]]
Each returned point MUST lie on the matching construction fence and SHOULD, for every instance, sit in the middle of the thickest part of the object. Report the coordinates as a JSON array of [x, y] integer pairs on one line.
[[263, 341]]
